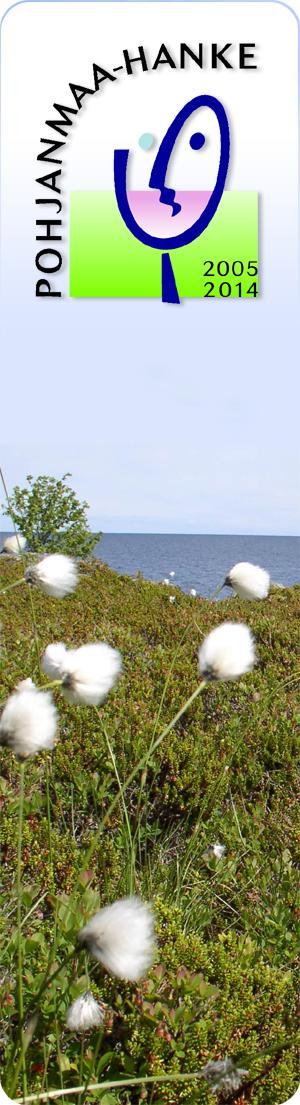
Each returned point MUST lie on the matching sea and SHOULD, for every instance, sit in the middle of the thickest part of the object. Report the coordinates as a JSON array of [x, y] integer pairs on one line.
[[198, 561]]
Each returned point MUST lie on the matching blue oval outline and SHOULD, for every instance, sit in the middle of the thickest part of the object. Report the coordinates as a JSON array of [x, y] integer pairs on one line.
[[159, 171]]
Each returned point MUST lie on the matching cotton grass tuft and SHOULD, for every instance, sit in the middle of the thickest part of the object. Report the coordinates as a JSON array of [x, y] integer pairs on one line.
[[214, 851], [84, 1013], [28, 722], [223, 1076], [121, 937], [52, 661], [248, 581], [227, 652], [55, 575], [14, 545], [88, 673]]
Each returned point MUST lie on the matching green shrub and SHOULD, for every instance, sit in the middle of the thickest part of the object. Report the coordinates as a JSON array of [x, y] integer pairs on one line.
[[50, 516]]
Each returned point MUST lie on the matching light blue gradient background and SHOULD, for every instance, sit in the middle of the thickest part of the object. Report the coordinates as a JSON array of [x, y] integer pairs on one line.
[[170, 419]]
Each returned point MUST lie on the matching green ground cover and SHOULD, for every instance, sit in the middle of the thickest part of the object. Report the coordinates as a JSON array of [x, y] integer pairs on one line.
[[225, 977]]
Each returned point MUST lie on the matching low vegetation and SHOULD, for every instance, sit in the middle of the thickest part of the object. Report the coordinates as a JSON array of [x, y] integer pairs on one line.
[[225, 978]]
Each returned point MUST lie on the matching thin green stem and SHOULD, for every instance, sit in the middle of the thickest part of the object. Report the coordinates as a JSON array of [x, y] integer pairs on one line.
[[25, 918], [210, 793], [58, 1052], [35, 1004], [23, 580], [47, 1054], [22, 1061], [49, 818], [54, 974], [48, 762], [117, 1084], [49, 686], [139, 767], [172, 665], [92, 1068], [214, 594], [158, 1078], [47, 773], [82, 1046], [11, 585], [155, 727], [106, 818], [19, 926], [125, 811], [180, 713], [35, 630]]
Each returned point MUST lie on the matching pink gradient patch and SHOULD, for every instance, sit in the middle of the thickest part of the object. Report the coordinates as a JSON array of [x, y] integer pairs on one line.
[[157, 219]]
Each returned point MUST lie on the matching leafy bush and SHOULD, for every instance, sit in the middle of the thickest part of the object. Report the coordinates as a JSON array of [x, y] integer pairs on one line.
[[51, 517]]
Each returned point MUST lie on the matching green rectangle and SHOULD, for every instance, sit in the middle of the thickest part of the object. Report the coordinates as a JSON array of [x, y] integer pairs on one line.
[[106, 261]]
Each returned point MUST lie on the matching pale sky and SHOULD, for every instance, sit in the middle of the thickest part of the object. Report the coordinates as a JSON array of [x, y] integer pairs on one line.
[[195, 430]]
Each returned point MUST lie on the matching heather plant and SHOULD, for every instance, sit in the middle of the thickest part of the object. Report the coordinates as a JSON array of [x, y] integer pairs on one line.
[[117, 812]]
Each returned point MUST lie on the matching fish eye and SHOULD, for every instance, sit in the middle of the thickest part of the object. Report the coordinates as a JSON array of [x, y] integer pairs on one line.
[[197, 140]]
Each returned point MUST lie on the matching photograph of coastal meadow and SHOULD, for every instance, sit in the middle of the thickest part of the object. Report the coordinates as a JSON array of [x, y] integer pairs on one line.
[[149, 807]]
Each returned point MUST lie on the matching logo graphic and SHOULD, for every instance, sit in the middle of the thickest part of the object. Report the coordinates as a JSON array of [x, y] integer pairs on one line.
[[168, 195], [164, 242]]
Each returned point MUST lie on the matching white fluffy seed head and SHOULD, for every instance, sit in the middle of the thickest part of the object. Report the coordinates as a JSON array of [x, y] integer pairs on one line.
[[218, 850], [172, 598], [55, 575], [172, 575], [249, 581], [166, 581], [193, 592], [89, 673], [223, 1074], [53, 660], [121, 937], [227, 652], [214, 851], [28, 722], [14, 544], [84, 1013]]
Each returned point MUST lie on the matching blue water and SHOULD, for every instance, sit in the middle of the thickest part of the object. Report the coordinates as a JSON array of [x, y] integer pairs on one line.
[[199, 561]]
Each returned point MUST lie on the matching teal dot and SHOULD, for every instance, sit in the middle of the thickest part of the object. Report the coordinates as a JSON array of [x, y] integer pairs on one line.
[[146, 141]]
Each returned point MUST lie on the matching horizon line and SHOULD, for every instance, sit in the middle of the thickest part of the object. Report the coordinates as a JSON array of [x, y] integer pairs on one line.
[[189, 533], [178, 533]]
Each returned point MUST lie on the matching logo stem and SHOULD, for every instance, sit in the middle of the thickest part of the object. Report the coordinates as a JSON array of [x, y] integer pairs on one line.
[[169, 293]]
